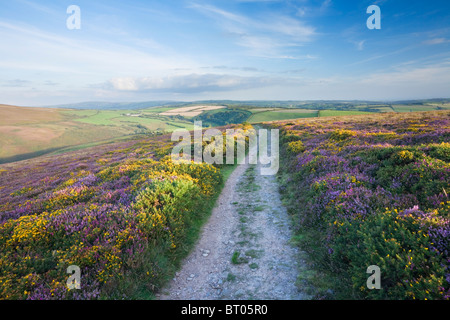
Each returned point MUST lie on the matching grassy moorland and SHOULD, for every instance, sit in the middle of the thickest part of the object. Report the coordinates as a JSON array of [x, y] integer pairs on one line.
[[123, 212], [29, 132], [371, 190]]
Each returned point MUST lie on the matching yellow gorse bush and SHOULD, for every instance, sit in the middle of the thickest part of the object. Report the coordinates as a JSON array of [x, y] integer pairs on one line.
[[109, 226], [26, 230]]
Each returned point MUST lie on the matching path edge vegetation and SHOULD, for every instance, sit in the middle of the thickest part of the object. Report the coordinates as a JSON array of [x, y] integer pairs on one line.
[[125, 251], [172, 262], [332, 275], [175, 262]]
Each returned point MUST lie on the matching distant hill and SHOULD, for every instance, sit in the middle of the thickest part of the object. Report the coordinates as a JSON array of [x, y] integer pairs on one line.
[[27, 132], [101, 105], [13, 115], [310, 104]]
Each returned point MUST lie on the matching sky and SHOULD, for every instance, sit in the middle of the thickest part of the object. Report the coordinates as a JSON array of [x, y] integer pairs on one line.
[[187, 50]]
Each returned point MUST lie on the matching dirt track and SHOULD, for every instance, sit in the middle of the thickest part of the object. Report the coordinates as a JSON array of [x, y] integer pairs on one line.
[[250, 223]]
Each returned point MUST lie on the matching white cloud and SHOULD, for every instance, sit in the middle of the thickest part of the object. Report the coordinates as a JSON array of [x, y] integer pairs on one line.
[[268, 36], [325, 5], [360, 45], [16, 83], [208, 9], [191, 83], [427, 76], [27, 48], [309, 10], [436, 41], [41, 8]]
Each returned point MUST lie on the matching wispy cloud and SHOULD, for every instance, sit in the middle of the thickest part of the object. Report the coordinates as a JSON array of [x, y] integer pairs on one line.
[[258, 0], [307, 9], [436, 41], [50, 83], [16, 83], [360, 45], [217, 12], [53, 53], [228, 68], [250, 49], [268, 36], [40, 7], [383, 55], [425, 81], [325, 5], [192, 83]]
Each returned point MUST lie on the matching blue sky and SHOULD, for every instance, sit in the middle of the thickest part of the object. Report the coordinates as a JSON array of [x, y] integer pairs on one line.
[[140, 50]]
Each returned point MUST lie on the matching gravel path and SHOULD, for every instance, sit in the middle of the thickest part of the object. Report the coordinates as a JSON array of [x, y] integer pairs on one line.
[[243, 252]]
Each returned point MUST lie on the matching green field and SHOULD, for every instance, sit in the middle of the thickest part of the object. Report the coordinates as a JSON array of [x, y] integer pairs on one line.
[[98, 118], [339, 113], [440, 106], [414, 108], [149, 119], [281, 114]]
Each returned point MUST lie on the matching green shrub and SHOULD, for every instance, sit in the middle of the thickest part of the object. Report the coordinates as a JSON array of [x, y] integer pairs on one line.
[[296, 147], [342, 135], [167, 207], [289, 138], [403, 157], [399, 247], [440, 151]]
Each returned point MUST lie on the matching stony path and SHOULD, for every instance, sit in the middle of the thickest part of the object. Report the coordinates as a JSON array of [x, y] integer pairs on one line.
[[243, 252]]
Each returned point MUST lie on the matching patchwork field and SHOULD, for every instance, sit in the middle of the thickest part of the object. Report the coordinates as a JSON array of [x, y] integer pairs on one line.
[[190, 112], [261, 115], [29, 132]]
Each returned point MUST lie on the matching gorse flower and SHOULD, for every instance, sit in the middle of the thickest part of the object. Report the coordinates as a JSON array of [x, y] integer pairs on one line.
[[107, 210], [374, 192]]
